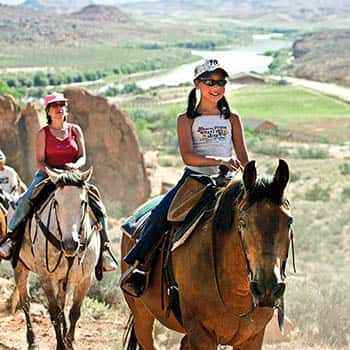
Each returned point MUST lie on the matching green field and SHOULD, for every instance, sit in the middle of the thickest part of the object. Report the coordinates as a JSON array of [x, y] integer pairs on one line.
[[287, 105], [290, 108]]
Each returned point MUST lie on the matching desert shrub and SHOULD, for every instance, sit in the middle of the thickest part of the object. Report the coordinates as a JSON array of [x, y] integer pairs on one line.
[[311, 153], [95, 310], [106, 291], [267, 146], [345, 194], [317, 193], [318, 307], [295, 176], [345, 169]]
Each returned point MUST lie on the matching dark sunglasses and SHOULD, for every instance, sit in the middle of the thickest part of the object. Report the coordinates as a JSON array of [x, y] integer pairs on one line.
[[57, 104], [212, 82]]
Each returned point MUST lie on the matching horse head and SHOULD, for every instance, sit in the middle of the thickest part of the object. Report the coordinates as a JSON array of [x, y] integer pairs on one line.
[[265, 229], [71, 207]]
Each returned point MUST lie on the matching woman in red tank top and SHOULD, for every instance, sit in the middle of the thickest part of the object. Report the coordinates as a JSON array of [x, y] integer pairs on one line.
[[61, 145]]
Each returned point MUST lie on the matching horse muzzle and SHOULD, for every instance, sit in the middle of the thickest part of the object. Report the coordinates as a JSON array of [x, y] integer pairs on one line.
[[70, 247], [267, 294]]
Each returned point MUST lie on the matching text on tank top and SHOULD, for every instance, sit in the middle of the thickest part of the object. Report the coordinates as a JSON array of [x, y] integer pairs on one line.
[[211, 136], [59, 152]]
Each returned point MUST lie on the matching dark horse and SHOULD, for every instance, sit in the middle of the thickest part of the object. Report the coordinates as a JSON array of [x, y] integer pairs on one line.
[[230, 272]]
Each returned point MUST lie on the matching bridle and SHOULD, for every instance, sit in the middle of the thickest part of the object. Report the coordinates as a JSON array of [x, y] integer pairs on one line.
[[84, 239]]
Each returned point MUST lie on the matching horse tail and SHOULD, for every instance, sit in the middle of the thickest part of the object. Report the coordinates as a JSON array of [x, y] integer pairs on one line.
[[129, 339]]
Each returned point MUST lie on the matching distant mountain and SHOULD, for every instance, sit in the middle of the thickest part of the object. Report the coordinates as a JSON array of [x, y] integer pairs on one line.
[[21, 25], [287, 11], [57, 6], [101, 13], [323, 56]]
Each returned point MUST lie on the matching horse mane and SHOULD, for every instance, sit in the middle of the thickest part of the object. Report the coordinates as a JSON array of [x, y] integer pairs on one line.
[[70, 178], [231, 195]]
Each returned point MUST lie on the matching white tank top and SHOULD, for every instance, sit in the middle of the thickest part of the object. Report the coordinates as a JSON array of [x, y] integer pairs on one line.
[[211, 136]]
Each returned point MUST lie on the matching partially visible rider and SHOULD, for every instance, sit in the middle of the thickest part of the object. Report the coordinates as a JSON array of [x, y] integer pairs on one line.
[[11, 185], [59, 145], [210, 135]]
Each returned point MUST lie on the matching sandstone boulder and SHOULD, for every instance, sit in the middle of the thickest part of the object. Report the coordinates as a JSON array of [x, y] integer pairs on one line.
[[17, 136], [112, 147]]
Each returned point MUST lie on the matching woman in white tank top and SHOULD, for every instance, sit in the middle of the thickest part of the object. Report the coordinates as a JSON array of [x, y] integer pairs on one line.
[[209, 135]]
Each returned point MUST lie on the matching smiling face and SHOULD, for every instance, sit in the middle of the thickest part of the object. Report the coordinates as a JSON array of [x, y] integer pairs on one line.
[[211, 93]]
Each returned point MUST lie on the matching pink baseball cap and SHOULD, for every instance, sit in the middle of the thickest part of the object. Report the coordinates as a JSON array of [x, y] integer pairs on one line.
[[54, 97]]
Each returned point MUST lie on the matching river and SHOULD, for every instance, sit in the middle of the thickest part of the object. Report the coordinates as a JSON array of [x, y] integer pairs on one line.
[[240, 59]]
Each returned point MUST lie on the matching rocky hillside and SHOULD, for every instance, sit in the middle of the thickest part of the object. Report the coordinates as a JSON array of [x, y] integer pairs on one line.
[[323, 56], [93, 24]]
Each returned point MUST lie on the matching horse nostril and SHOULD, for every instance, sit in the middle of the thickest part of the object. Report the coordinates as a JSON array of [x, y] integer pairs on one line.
[[278, 291], [257, 289]]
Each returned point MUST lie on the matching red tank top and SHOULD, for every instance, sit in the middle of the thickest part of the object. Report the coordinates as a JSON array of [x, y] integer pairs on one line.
[[59, 152]]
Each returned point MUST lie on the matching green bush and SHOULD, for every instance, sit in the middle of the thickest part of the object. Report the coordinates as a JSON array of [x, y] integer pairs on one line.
[[312, 153], [345, 169], [318, 309], [95, 310]]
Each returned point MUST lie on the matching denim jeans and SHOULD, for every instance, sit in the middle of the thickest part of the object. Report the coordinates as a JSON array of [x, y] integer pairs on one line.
[[39, 176], [155, 226]]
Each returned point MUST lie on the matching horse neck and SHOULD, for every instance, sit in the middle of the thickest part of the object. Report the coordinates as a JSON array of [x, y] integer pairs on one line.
[[231, 263]]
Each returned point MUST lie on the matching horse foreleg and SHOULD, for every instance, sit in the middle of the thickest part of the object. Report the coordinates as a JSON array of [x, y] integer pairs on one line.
[[21, 289], [143, 323], [56, 313], [80, 291], [198, 338], [61, 297], [253, 343]]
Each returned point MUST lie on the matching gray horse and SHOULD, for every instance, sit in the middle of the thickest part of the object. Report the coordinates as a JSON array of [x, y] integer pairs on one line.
[[60, 245]]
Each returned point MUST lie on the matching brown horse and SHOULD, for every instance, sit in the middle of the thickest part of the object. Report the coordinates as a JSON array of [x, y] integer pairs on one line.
[[230, 272], [3, 222]]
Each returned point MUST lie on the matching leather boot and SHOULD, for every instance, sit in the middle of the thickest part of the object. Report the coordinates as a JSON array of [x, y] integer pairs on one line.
[[108, 263], [134, 280], [6, 249], [19, 216]]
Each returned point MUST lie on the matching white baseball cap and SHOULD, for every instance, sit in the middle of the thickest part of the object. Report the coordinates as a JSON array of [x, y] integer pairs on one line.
[[207, 67]]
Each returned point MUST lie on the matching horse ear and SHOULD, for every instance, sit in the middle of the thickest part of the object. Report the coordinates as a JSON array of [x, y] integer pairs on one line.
[[249, 175], [86, 175], [52, 175], [281, 176]]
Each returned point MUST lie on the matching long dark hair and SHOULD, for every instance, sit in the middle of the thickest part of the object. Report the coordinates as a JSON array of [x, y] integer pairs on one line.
[[192, 112], [49, 120]]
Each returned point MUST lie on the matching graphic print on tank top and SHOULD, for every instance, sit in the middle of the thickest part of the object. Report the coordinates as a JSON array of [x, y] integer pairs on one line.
[[215, 133], [211, 137]]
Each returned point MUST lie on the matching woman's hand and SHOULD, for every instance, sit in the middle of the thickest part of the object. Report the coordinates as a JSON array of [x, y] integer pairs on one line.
[[232, 164], [71, 166]]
